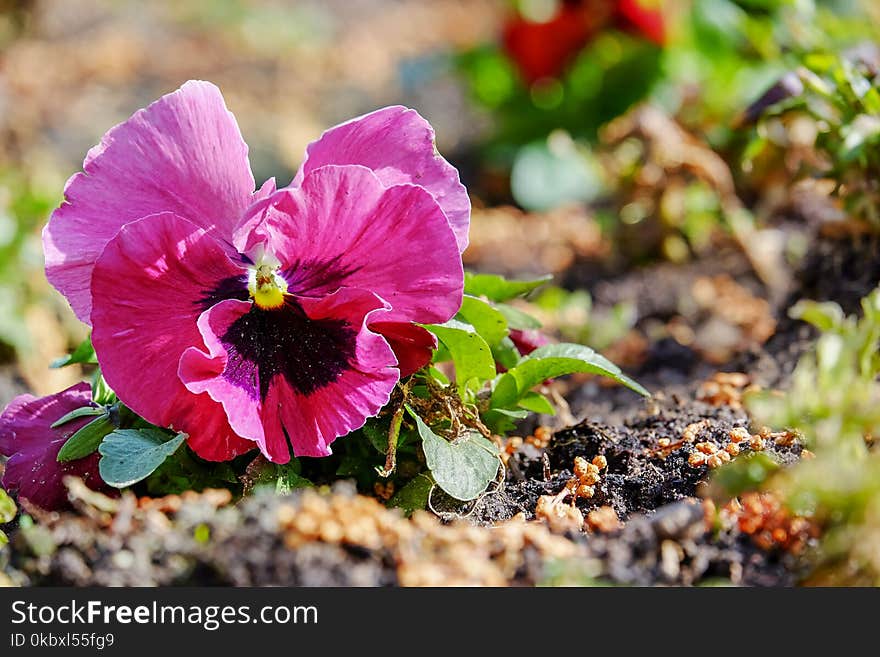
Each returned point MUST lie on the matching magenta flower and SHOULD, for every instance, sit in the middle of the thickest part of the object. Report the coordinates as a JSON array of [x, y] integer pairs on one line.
[[32, 445], [269, 318]]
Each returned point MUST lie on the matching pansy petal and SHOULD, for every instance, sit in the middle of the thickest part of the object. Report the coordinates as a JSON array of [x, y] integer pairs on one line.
[[398, 145], [150, 285], [360, 391], [413, 345], [182, 154], [342, 228], [203, 372], [32, 445], [269, 368]]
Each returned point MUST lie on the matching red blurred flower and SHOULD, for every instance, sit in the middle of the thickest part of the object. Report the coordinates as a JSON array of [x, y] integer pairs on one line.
[[643, 18], [542, 49]]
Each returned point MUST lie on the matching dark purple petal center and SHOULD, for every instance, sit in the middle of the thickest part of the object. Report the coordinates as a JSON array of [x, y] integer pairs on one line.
[[304, 276], [233, 287], [309, 354]]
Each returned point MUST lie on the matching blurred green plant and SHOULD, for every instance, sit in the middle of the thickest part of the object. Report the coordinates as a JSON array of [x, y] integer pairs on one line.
[[604, 80], [829, 108], [542, 131], [717, 53], [833, 402], [7, 514], [576, 319], [24, 207]]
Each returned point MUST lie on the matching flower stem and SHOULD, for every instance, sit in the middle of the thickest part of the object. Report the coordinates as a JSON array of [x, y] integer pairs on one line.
[[394, 433]]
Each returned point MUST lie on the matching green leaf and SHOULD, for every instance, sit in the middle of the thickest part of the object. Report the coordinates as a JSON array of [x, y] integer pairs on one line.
[[289, 478], [825, 316], [84, 353], [502, 420], [86, 440], [537, 403], [514, 413], [464, 467], [506, 354], [550, 361], [7, 508], [414, 495], [486, 320], [184, 471], [83, 411], [131, 455], [101, 392], [748, 472], [498, 288], [438, 376], [376, 430], [471, 355], [553, 172], [517, 319], [861, 133], [506, 392]]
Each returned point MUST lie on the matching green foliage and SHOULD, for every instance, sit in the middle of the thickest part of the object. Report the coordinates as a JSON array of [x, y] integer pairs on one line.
[[609, 76], [281, 477], [7, 508], [516, 318], [839, 96], [834, 402], [470, 353], [748, 472], [83, 354], [83, 411], [101, 392], [498, 288], [482, 399], [25, 202], [463, 467], [577, 320], [202, 533], [132, 455], [7, 513], [487, 321], [834, 396], [414, 495], [184, 470], [86, 440], [548, 173], [554, 360]]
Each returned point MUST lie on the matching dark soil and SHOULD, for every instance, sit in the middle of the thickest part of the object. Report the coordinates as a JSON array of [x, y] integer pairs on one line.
[[664, 537]]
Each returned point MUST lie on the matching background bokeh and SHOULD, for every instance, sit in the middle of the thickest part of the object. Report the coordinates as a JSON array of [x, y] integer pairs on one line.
[[560, 182]]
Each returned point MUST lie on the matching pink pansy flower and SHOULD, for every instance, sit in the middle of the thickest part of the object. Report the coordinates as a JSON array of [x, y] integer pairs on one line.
[[32, 445], [275, 318]]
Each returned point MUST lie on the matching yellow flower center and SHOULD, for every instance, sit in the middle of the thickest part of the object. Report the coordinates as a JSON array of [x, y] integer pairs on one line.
[[266, 287]]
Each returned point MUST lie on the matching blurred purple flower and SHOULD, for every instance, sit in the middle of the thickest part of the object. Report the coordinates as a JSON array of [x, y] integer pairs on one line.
[[32, 445]]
